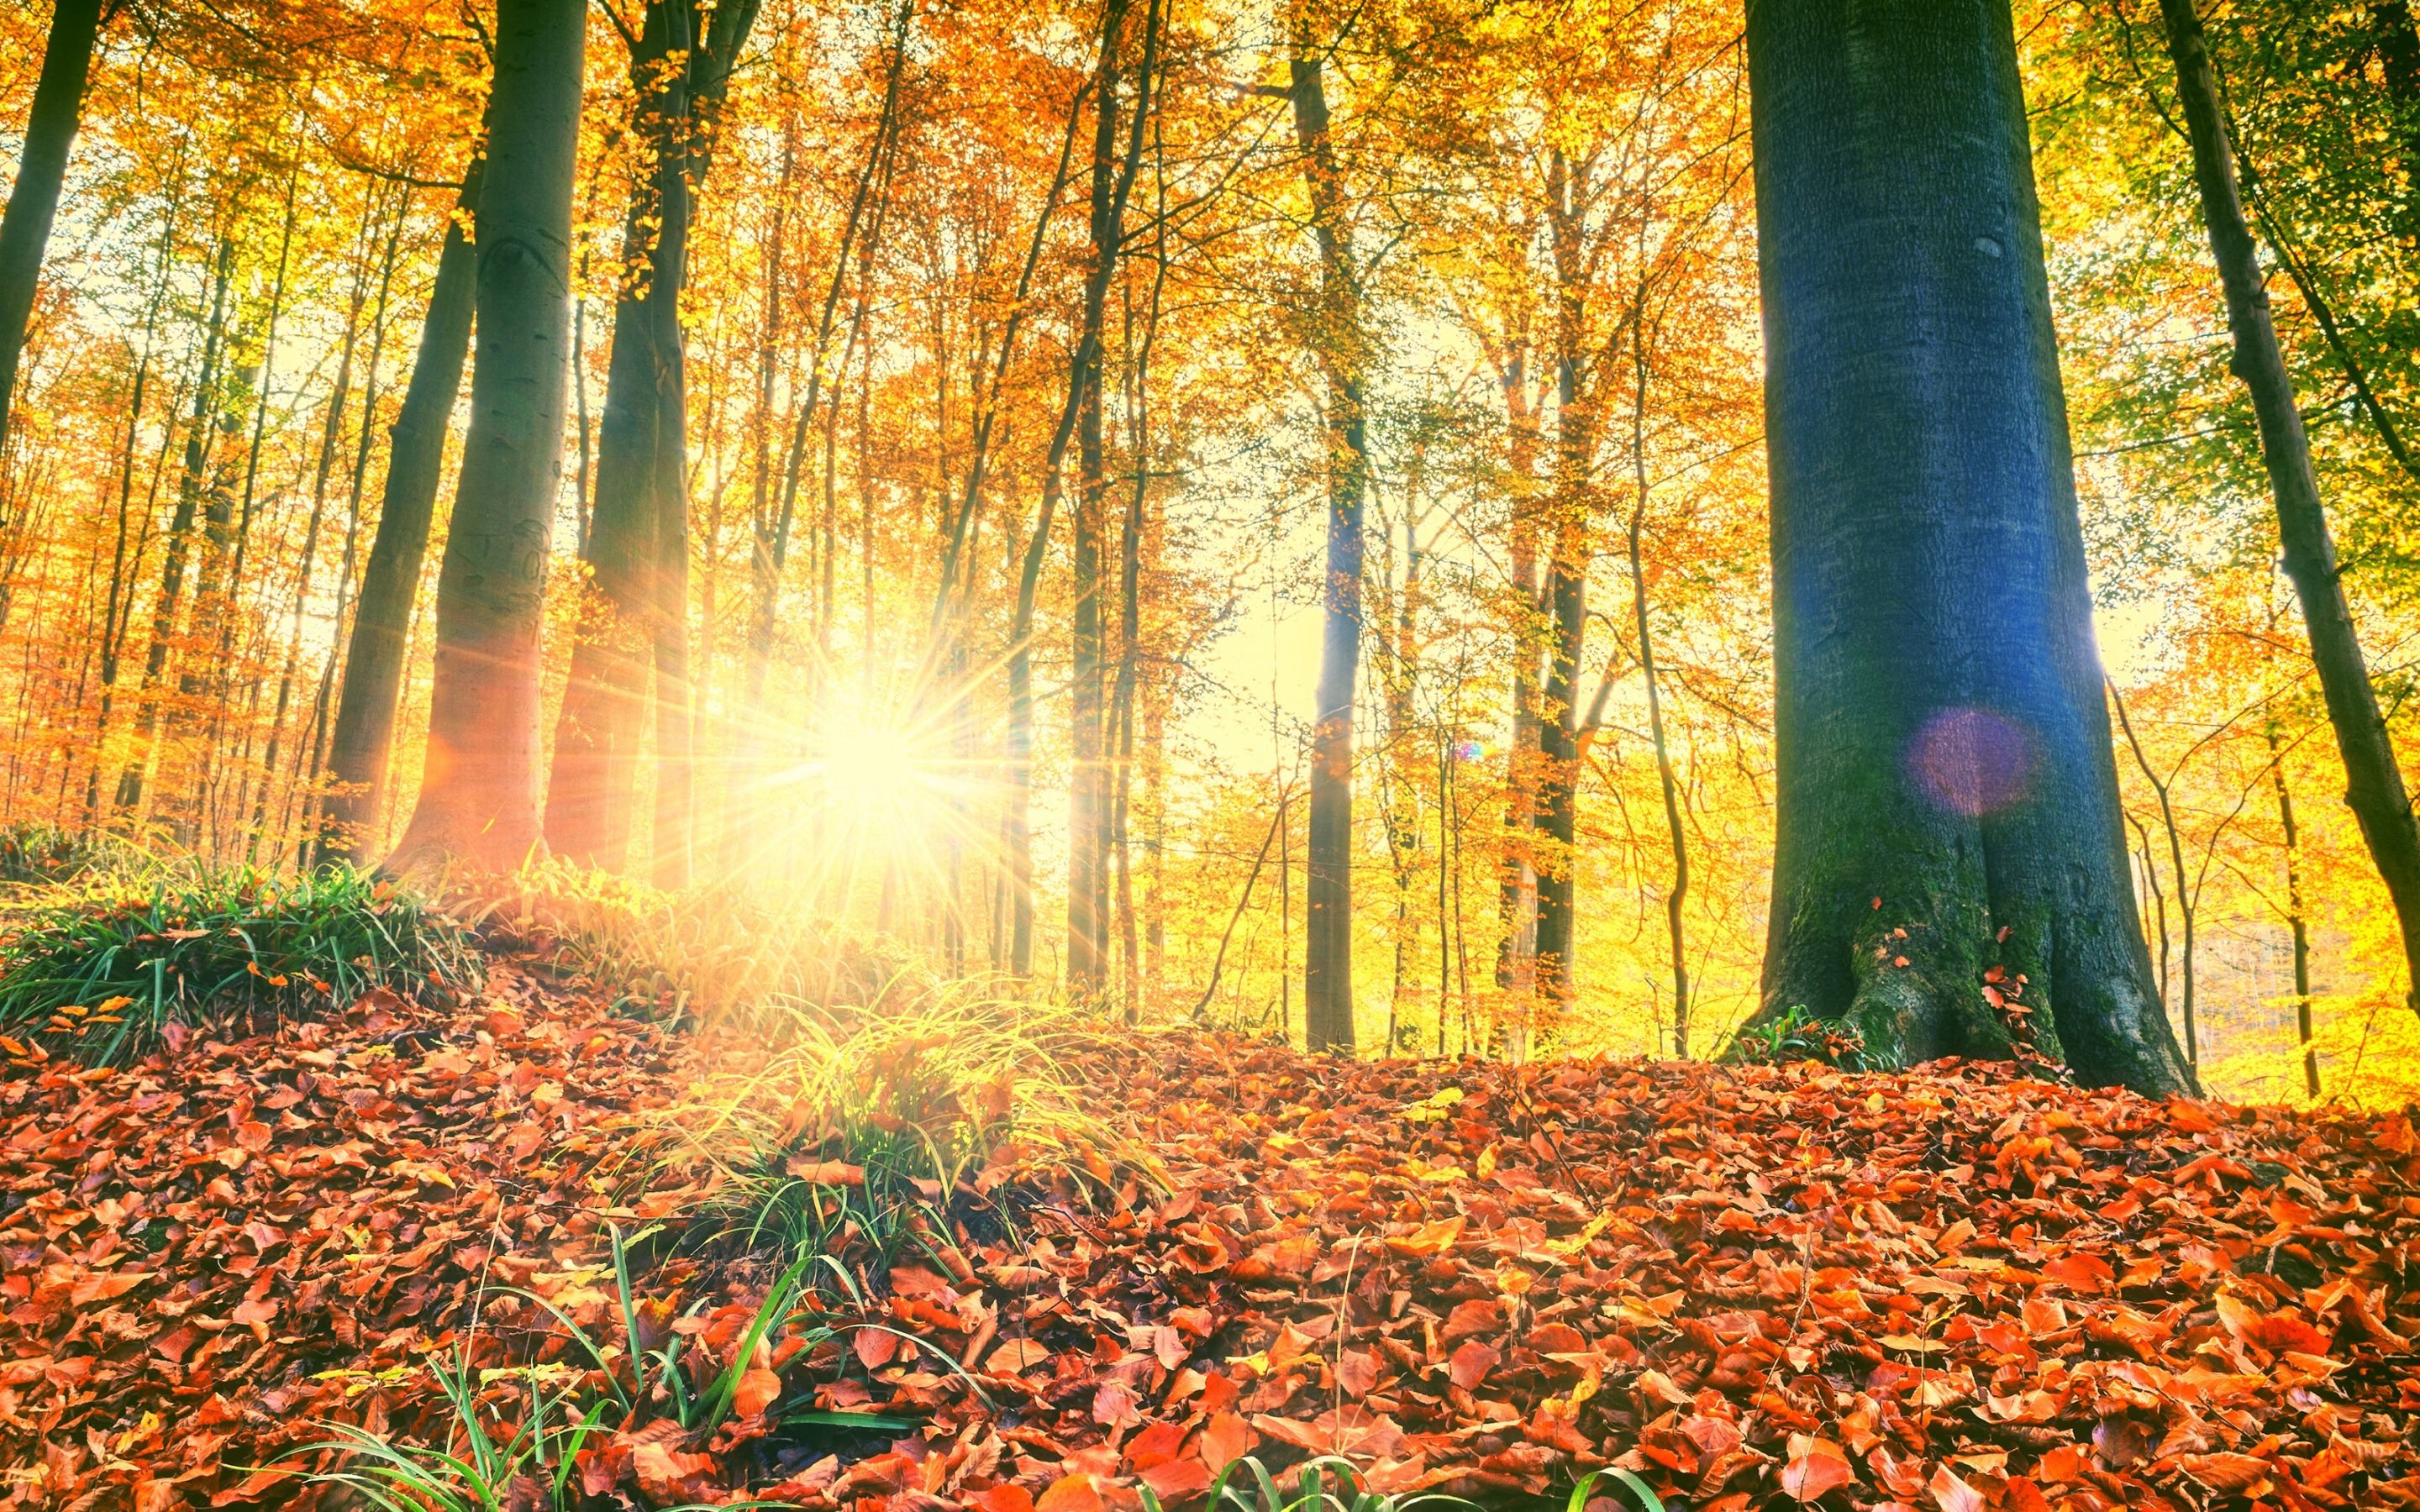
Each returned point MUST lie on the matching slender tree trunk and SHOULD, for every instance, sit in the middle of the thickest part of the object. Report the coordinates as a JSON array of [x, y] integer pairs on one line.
[[2296, 919], [1674, 899], [2374, 787], [1571, 510], [1086, 904], [199, 428], [1342, 351], [332, 435], [309, 765], [364, 740], [480, 789], [125, 566], [1402, 819], [1088, 797], [1943, 742], [1121, 701], [34, 199], [2185, 890], [1516, 950]]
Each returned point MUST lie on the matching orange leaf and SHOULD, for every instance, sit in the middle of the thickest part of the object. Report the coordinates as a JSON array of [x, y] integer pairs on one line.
[[1953, 1495], [1814, 1473], [875, 1346], [1177, 1480], [1225, 1439], [826, 1172], [1430, 1238], [1070, 1494], [758, 1390], [1470, 1364]]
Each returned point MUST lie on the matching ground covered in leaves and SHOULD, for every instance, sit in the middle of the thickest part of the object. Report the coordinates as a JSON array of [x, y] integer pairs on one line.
[[1952, 1288]]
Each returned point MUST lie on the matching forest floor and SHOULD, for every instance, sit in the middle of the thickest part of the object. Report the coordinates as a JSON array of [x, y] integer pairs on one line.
[[1953, 1288]]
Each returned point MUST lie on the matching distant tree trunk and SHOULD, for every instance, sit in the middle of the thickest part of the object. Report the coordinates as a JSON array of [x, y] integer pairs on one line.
[[1675, 900], [1341, 347], [1089, 800], [1566, 619], [1088, 817], [34, 199], [2373, 783], [2186, 892], [479, 787], [374, 659], [1516, 951], [1945, 764], [2296, 921], [331, 436], [200, 427]]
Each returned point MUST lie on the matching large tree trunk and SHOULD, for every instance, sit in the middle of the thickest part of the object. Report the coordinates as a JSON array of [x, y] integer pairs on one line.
[[1327, 932], [2373, 783], [598, 731], [634, 611], [365, 710], [34, 200], [1944, 747], [479, 787]]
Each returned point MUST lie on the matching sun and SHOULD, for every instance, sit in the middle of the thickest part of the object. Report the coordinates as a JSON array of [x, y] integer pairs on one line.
[[865, 765]]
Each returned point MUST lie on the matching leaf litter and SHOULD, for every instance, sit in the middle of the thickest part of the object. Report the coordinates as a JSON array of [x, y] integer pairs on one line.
[[1957, 1287]]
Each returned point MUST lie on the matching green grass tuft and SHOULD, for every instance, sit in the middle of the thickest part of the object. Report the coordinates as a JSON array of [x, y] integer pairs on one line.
[[870, 1124], [1799, 1035], [101, 970]]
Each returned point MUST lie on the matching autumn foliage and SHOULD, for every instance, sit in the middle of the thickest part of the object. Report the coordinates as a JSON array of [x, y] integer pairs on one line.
[[1954, 1287]]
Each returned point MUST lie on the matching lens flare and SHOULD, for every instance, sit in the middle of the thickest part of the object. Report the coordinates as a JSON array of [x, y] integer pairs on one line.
[[866, 765], [1971, 762]]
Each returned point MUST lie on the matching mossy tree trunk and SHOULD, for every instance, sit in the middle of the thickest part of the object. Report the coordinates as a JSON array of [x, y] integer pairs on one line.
[[1948, 794]]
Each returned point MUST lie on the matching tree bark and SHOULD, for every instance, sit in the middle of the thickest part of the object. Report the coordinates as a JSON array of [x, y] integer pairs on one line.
[[374, 659], [1516, 949], [2296, 919], [1571, 511], [200, 427], [1943, 750], [2186, 891], [2373, 783], [479, 787], [634, 611], [1088, 801], [1676, 899], [1340, 344], [1084, 963], [34, 199]]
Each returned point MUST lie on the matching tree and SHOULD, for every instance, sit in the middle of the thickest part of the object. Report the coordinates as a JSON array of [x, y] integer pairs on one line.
[[636, 612], [1341, 347], [479, 785], [1947, 797], [365, 737], [2373, 783], [34, 199]]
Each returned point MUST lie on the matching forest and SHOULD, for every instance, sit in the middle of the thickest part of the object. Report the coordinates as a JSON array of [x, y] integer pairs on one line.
[[1099, 755]]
